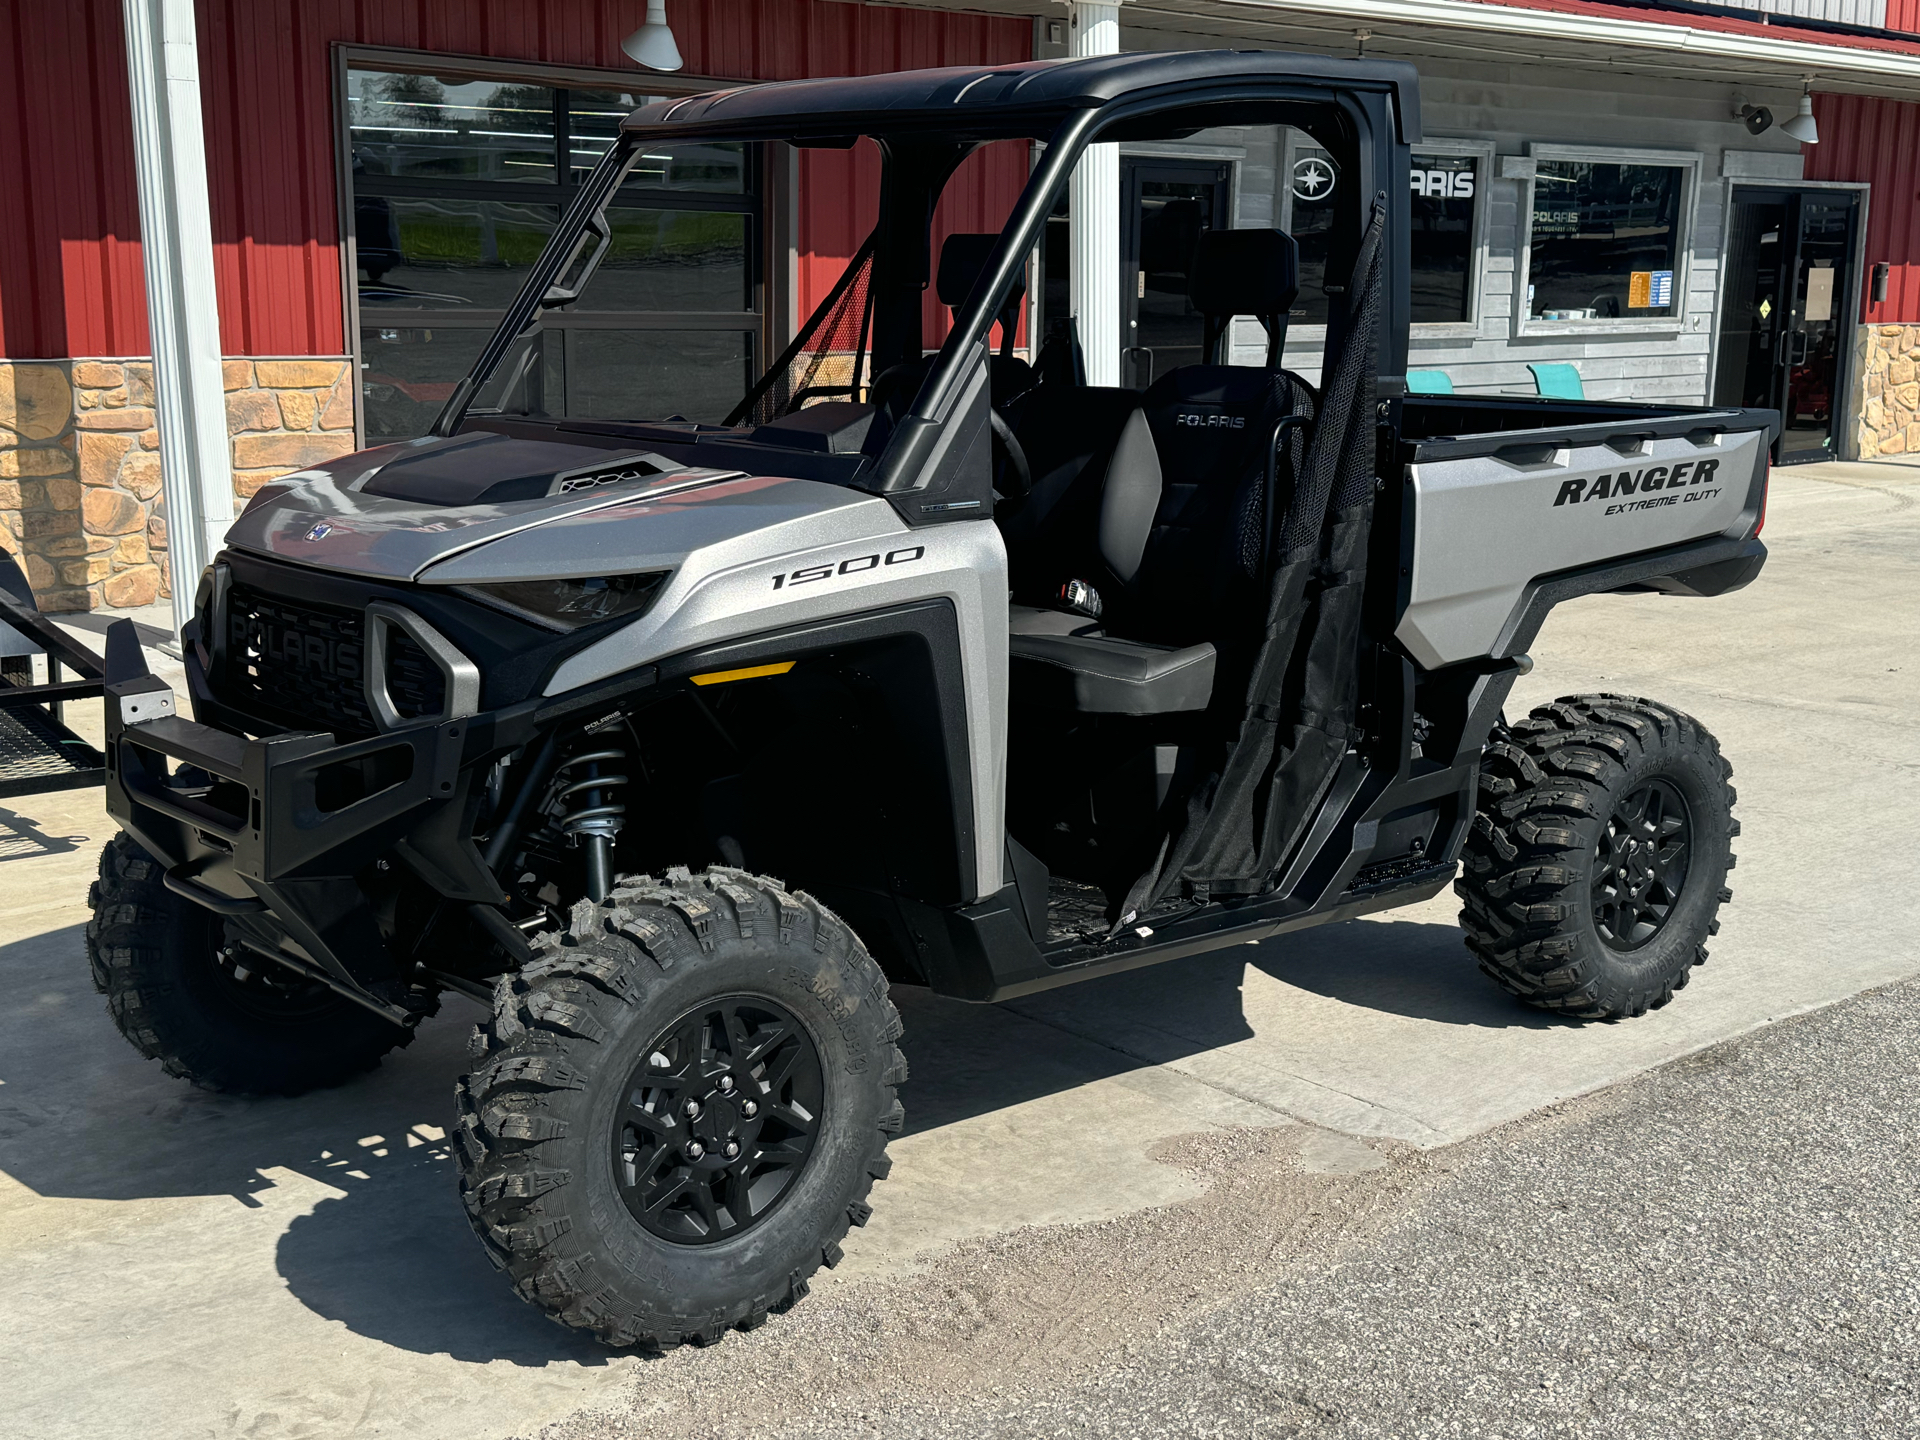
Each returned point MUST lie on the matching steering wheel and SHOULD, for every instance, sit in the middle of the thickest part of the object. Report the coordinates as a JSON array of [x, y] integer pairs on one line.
[[1013, 479]]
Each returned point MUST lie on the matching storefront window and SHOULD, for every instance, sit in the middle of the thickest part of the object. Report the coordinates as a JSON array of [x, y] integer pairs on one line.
[[1312, 181], [457, 184], [429, 128], [1445, 191], [1447, 184], [1605, 241]]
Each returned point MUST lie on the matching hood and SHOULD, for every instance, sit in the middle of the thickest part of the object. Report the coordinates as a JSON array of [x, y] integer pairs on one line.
[[488, 467], [395, 512]]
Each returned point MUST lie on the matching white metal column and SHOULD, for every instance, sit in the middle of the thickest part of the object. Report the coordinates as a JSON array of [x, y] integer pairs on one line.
[[176, 235], [1094, 216]]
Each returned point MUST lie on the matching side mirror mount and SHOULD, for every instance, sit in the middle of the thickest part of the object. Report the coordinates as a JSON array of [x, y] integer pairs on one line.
[[581, 265]]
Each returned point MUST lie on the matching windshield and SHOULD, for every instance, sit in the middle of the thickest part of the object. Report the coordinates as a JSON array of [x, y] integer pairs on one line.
[[661, 313], [655, 312], [646, 312]]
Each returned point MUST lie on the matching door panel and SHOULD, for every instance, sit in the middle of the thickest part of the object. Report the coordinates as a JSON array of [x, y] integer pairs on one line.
[[1753, 308]]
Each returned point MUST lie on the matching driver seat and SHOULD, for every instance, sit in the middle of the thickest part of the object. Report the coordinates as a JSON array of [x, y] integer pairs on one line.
[[962, 258]]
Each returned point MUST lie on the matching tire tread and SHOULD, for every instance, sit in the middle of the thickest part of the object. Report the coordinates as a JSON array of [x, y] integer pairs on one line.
[[570, 993], [1542, 783]]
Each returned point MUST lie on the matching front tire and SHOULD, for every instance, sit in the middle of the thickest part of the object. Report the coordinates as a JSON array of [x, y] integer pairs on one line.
[[680, 1106], [1598, 857], [183, 998]]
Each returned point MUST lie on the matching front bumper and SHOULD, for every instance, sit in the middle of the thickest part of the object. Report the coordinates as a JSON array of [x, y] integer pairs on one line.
[[273, 833], [280, 834]]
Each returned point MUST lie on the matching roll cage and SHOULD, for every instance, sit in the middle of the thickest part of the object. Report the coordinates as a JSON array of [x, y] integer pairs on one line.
[[925, 124]]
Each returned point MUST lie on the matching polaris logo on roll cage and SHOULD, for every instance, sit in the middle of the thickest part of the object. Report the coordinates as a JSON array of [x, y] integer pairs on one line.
[[1629, 482], [854, 565]]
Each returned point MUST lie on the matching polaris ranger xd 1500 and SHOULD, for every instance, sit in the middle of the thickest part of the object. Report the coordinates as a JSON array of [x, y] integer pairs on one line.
[[674, 741]]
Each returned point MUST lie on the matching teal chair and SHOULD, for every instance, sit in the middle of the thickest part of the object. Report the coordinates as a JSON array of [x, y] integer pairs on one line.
[[1429, 382], [1557, 380]]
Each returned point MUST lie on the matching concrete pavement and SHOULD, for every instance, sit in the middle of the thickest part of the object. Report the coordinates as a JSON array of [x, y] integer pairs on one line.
[[302, 1267]]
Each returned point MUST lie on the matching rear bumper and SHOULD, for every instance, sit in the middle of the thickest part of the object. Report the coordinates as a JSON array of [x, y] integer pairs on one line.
[[1714, 577]]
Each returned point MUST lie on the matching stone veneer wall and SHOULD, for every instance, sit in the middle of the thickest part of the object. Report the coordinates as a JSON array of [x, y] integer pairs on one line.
[[1888, 360], [80, 494]]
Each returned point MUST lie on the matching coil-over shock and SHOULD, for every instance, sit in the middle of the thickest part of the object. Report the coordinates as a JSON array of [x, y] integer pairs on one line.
[[589, 816]]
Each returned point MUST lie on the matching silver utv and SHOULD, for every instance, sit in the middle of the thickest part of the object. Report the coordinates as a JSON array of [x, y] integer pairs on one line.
[[673, 742]]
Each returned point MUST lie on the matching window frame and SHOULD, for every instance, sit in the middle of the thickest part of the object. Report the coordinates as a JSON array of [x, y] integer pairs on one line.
[[1689, 162], [1483, 153], [766, 201]]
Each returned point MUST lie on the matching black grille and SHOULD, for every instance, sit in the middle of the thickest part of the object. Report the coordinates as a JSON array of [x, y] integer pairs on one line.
[[297, 664], [415, 685]]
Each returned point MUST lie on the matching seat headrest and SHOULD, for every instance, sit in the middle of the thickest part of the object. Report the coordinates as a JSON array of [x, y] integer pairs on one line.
[[962, 257], [1243, 272]]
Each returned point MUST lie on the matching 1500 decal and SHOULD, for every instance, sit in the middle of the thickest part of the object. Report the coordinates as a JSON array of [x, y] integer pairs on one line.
[[854, 565], [1628, 482]]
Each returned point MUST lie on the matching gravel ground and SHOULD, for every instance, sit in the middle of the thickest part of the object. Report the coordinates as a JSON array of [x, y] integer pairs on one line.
[[1723, 1247]]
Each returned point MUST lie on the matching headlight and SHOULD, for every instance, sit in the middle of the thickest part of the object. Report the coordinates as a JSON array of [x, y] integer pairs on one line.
[[570, 604]]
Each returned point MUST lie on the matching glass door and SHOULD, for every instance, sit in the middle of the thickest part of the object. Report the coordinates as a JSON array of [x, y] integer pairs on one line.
[[1786, 313], [1816, 345], [1165, 205]]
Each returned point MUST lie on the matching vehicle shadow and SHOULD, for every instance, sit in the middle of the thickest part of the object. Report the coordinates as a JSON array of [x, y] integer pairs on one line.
[[1417, 969], [385, 1249], [1161, 1014], [374, 1237]]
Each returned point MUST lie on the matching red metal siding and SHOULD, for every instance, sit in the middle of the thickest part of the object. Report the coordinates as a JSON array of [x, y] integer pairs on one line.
[[840, 189], [70, 279], [1865, 138], [978, 198], [1904, 15]]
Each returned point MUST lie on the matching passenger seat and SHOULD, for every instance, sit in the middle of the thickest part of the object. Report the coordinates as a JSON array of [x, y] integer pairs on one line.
[[1172, 520], [1214, 425]]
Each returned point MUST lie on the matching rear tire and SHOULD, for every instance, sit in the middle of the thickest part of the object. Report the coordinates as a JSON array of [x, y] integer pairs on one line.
[[610, 1204], [1598, 857], [258, 1030]]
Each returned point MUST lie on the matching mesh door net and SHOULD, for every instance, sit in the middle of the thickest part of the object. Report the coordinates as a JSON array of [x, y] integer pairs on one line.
[[1243, 819], [828, 359]]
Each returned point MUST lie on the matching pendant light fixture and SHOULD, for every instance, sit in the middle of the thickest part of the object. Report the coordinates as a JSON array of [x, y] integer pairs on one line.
[[653, 44]]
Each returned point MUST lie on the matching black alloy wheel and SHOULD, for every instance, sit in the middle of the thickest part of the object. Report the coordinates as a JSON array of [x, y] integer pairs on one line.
[[718, 1121], [677, 1018], [1597, 865], [1641, 864]]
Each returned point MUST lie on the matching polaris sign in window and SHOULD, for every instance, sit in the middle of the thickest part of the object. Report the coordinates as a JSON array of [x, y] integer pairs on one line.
[[1441, 236]]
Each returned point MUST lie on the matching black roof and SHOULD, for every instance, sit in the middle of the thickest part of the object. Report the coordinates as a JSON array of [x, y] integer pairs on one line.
[[1023, 99]]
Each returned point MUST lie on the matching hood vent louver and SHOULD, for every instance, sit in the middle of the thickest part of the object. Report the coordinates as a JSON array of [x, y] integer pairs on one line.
[[645, 466]]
